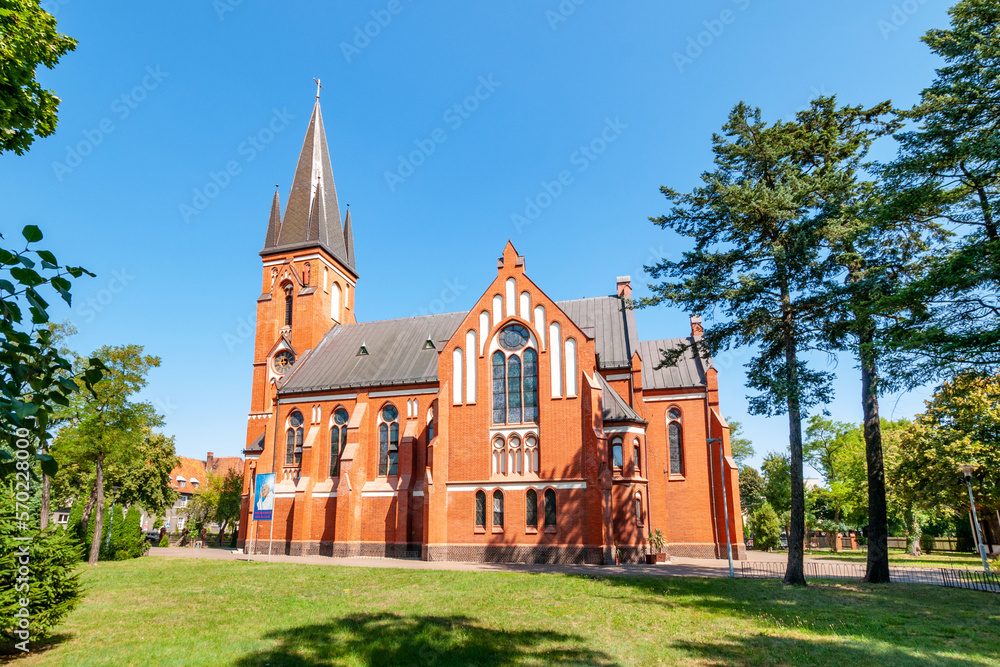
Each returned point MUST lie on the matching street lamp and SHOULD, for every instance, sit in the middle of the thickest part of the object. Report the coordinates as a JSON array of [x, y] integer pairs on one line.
[[111, 524], [966, 470], [725, 504]]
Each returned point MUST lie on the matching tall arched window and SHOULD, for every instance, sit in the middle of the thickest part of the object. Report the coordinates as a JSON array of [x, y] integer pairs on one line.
[[338, 439], [636, 456], [288, 305], [388, 441], [480, 509], [515, 377], [293, 439], [674, 436], [335, 301], [498, 509], [616, 455], [638, 508], [513, 390], [456, 376], [531, 508], [550, 507], [430, 423]]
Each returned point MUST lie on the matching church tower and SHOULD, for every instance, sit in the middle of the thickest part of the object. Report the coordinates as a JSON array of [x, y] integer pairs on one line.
[[308, 273]]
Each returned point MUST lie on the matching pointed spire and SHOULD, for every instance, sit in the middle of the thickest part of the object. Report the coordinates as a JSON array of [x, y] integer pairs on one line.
[[349, 238], [274, 222], [312, 214]]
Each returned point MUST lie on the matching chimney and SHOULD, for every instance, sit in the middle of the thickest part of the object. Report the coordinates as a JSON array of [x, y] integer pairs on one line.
[[208, 462], [696, 329], [625, 287]]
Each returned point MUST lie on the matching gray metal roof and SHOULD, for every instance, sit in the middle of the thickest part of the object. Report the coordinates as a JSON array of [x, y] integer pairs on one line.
[[312, 214], [613, 406], [688, 371], [613, 327], [396, 354], [256, 446]]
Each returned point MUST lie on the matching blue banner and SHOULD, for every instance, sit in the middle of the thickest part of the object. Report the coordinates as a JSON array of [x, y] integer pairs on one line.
[[263, 505]]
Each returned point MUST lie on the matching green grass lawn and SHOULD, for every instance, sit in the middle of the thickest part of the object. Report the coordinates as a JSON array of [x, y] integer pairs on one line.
[[900, 557], [160, 611]]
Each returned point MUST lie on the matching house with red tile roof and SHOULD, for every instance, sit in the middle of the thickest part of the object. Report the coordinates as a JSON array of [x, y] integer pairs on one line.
[[188, 479]]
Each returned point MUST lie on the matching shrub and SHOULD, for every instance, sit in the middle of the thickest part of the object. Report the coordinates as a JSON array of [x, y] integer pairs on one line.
[[55, 586], [164, 541], [765, 527], [926, 543]]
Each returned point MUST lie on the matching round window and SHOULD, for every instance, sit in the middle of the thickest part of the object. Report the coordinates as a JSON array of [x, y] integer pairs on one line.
[[295, 420], [513, 337], [389, 413], [340, 417]]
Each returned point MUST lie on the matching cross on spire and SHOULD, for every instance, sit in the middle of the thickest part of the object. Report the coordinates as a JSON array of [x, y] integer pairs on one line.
[[318, 88]]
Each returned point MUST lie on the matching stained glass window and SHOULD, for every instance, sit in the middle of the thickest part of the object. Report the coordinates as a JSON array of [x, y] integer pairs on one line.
[[513, 390], [498, 508], [531, 505], [676, 456], [480, 509], [514, 337], [499, 388], [550, 507]]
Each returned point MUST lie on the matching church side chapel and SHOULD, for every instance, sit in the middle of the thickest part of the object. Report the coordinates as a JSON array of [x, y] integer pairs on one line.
[[521, 430]]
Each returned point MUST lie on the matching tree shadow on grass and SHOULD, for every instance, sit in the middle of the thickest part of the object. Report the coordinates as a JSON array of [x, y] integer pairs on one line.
[[851, 623], [8, 653], [393, 639]]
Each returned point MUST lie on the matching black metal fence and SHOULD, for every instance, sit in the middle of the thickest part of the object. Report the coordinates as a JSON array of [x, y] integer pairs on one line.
[[977, 581], [951, 578]]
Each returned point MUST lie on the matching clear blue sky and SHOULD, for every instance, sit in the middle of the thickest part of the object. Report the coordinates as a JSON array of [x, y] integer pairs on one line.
[[159, 96]]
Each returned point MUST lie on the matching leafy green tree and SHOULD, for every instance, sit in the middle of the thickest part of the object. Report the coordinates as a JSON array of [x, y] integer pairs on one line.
[[55, 586], [959, 426], [164, 541], [104, 426], [757, 262], [765, 528], [751, 488], [948, 169], [837, 450], [777, 474], [230, 490], [34, 377], [28, 38], [739, 444]]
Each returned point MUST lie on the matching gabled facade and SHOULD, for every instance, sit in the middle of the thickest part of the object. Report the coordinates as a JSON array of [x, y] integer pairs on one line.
[[521, 430]]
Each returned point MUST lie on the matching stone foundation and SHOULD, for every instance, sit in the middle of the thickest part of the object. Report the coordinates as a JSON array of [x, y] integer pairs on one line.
[[706, 551], [469, 553]]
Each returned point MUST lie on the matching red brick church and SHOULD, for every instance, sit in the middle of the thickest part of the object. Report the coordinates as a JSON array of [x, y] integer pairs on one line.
[[521, 430]]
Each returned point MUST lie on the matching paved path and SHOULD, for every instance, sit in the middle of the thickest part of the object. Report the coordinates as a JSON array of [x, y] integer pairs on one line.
[[683, 567]]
